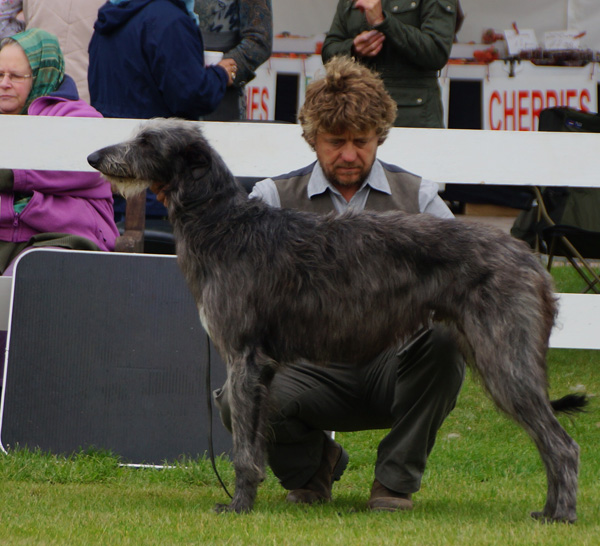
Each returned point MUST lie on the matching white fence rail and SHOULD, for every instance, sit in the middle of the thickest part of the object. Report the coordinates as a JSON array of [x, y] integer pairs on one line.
[[267, 149]]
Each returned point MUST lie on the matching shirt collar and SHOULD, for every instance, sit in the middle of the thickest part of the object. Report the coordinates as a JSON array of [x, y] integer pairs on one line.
[[376, 180]]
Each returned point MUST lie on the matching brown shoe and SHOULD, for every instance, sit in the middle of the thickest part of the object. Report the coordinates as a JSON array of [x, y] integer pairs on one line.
[[384, 500], [318, 489]]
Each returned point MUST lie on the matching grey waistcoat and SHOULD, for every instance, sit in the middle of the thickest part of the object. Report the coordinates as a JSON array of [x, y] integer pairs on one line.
[[404, 186]]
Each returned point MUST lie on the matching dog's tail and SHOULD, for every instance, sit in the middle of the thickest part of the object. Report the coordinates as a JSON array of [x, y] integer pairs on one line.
[[571, 404]]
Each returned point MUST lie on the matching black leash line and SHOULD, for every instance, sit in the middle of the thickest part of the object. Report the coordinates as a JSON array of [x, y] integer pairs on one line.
[[211, 450]]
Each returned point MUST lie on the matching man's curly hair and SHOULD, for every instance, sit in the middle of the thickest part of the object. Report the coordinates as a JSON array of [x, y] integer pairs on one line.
[[350, 97]]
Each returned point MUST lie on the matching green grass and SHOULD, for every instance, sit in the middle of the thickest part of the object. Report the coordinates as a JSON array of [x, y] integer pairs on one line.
[[483, 478], [567, 279]]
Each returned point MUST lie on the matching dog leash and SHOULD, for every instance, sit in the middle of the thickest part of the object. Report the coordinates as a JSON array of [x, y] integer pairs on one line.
[[211, 450]]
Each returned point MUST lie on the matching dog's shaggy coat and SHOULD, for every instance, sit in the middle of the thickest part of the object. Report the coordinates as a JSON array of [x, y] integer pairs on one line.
[[274, 286]]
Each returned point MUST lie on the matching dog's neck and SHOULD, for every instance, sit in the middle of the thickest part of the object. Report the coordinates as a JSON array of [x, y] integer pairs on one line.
[[189, 200]]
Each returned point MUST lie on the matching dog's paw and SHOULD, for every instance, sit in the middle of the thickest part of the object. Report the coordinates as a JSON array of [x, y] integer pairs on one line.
[[545, 518], [221, 508], [230, 508]]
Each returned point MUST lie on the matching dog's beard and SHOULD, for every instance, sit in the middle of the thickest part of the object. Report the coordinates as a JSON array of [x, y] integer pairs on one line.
[[128, 187]]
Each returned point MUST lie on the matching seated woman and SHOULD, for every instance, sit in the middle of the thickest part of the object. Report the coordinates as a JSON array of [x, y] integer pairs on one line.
[[47, 208]]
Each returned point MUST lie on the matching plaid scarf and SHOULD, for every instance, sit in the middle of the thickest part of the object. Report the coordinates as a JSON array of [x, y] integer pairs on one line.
[[46, 61]]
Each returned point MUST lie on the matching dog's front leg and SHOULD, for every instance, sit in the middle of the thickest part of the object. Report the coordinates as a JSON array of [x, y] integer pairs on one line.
[[249, 379]]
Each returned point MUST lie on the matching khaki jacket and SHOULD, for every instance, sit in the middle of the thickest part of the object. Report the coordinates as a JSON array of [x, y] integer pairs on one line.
[[418, 40]]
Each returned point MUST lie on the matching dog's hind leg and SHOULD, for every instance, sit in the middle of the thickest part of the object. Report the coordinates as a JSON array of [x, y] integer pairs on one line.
[[519, 389], [509, 349], [560, 454], [249, 377]]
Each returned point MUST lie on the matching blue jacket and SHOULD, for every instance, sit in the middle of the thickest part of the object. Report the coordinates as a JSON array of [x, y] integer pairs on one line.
[[147, 60]]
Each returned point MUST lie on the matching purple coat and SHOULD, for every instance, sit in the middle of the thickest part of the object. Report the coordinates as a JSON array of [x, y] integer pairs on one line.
[[79, 203]]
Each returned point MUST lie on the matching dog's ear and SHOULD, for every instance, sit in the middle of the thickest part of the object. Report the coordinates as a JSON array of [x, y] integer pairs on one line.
[[199, 161]]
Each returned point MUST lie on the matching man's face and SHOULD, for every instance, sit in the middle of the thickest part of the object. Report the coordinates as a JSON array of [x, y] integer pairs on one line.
[[347, 158]]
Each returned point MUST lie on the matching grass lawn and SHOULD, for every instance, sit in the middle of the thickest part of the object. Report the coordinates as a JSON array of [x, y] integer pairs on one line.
[[483, 478]]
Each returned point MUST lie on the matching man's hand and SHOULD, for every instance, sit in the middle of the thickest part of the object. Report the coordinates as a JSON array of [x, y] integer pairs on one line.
[[372, 10], [368, 43], [231, 67], [159, 190]]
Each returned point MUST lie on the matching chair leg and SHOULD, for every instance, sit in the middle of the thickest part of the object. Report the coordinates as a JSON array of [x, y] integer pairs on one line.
[[551, 254], [585, 270], [132, 239]]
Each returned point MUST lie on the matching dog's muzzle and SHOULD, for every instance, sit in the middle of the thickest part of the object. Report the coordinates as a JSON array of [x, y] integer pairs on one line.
[[94, 159]]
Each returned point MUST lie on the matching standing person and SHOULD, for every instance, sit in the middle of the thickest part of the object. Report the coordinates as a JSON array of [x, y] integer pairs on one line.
[[147, 60], [407, 42], [243, 31], [47, 208], [72, 22], [411, 387], [9, 22]]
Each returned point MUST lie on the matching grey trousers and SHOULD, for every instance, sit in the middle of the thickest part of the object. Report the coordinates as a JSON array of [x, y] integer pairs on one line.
[[410, 390]]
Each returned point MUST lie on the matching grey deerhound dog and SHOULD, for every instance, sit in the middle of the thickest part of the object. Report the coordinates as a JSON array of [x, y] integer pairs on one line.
[[274, 286]]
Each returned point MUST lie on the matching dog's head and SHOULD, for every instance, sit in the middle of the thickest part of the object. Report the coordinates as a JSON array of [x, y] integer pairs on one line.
[[156, 155]]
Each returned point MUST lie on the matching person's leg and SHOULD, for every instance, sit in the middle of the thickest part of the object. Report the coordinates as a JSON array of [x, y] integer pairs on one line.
[[306, 400], [426, 382], [411, 390], [8, 253]]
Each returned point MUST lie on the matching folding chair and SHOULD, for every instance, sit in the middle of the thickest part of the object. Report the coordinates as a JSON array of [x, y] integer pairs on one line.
[[576, 244], [565, 221], [577, 235]]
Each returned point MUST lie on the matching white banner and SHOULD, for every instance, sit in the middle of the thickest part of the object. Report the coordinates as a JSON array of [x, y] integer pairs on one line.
[[514, 103], [260, 94], [261, 91]]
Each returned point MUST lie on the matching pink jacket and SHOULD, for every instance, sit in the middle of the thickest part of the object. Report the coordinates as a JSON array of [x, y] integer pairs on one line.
[[79, 203]]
